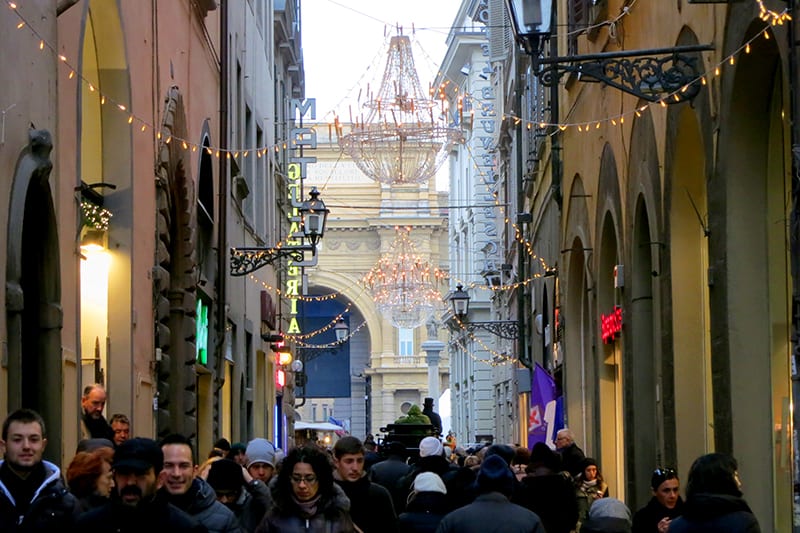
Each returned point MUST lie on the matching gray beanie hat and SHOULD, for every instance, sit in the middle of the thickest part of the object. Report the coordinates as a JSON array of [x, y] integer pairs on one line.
[[260, 451]]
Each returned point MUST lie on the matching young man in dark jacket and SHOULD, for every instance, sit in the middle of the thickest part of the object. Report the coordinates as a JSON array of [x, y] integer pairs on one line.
[[138, 505], [190, 493], [371, 505], [32, 495]]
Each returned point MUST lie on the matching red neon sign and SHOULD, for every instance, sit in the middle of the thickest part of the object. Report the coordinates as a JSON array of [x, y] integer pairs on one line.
[[611, 325]]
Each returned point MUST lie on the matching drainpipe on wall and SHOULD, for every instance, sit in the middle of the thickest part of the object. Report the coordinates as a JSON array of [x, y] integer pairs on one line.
[[222, 223], [794, 236]]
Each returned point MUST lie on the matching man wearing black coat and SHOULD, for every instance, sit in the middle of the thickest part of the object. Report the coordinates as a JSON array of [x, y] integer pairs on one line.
[[371, 505], [388, 473], [492, 510], [436, 420], [571, 455], [32, 495], [138, 505]]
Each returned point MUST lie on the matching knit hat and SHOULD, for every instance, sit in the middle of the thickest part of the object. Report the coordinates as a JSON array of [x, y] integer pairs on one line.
[[430, 446], [225, 475], [429, 482], [495, 475], [610, 508], [260, 451], [505, 452]]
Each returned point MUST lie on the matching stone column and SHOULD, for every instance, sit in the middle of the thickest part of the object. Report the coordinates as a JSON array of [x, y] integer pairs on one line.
[[432, 349]]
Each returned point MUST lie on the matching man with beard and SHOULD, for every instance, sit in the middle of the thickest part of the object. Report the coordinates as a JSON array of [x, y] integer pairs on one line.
[[138, 506], [32, 495], [190, 493], [93, 423]]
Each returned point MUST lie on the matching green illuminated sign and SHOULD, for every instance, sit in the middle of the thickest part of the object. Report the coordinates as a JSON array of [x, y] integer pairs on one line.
[[201, 333]]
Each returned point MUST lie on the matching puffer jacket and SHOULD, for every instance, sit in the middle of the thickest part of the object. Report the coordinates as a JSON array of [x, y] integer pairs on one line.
[[205, 508], [53, 507], [332, 516]]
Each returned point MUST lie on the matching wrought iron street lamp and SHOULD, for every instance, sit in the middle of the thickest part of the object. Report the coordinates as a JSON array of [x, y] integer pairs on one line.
[[459, 299], [665, 75], [341, 330], [313, 216]]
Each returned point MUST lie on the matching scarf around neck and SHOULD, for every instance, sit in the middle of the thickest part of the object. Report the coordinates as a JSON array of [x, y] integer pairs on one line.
[[307, 508]]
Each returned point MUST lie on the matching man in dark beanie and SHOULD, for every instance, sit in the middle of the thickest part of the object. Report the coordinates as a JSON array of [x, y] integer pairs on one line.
[[248, 498], [492, 510]]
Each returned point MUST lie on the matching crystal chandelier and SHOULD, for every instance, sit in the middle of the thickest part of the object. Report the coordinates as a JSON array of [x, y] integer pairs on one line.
[[399, 142], [403, 285]]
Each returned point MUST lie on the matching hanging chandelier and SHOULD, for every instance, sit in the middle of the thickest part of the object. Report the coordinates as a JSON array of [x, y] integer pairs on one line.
[[399, 142], [403, 284]]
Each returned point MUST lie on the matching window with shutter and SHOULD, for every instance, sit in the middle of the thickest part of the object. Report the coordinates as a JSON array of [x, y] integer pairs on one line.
[[499, 30], [578, 16]]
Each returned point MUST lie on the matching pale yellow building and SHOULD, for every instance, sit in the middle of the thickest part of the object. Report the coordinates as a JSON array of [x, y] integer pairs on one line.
[[388, 366]]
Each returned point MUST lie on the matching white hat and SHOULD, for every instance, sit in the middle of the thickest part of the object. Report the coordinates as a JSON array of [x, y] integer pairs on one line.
[[429, 482], [430, 446]]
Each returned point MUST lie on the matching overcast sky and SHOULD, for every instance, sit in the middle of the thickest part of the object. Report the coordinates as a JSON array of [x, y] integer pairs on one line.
[[344, 45]]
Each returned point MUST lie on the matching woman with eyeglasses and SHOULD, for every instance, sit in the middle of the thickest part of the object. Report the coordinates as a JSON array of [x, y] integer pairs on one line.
[[665, 505], [714, 502], [305, 497]]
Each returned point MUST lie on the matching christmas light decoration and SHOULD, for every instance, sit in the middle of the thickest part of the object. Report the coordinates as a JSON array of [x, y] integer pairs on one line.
[[400, 141], [403, 284]]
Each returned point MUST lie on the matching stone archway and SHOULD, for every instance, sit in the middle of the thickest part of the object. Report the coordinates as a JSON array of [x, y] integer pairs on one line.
[[175, 279], [33, 292]]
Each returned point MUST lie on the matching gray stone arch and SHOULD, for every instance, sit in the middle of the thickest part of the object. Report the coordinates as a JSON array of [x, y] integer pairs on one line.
[[688, 164], [175, 277], [641, 303], [578, 305], [749, 259], [610, 359], [33, 291]]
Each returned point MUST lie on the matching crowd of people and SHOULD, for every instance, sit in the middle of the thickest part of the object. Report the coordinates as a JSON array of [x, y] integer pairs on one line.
[[138, 484]]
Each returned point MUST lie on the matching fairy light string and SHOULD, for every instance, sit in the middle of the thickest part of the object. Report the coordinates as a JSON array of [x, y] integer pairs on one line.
[[770, 16]]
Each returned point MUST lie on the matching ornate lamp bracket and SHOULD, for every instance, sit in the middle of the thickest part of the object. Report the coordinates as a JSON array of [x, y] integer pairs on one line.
[[507, 329], [246, 260], [668, 75]]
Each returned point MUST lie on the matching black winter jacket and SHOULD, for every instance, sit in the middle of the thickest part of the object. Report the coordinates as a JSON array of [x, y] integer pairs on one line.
[[647, 518], [715, 513], [52, 508], [424, 512], [371, 506], [155, 515]]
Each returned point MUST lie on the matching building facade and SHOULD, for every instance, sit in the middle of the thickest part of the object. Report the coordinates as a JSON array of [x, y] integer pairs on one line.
[[388, 368], [132, 130], [670, 227]]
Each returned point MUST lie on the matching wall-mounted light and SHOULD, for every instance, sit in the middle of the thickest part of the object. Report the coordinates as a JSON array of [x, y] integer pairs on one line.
[[93, 240]]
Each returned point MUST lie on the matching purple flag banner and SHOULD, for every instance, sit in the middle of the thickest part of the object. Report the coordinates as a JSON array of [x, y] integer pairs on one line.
[[542, 415]]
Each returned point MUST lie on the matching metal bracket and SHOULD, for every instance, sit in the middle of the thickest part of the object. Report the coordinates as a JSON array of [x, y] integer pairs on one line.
[[507, 329], [246, 260], [642, 73]]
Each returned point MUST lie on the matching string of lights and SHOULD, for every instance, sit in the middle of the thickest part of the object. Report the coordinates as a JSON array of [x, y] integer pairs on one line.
[[772, 17]]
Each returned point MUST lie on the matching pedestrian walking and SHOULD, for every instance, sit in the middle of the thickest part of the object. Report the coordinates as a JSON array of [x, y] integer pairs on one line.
[[93, 423], [32, 496], [714, 502], [248, 498], [492, 511], [607, 515], [388, 472], [90, 478], [371, 506], [191, 493], [589, 487], [305, 497], [427, 505], [571, 455], [665, 505], [138, 506]]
